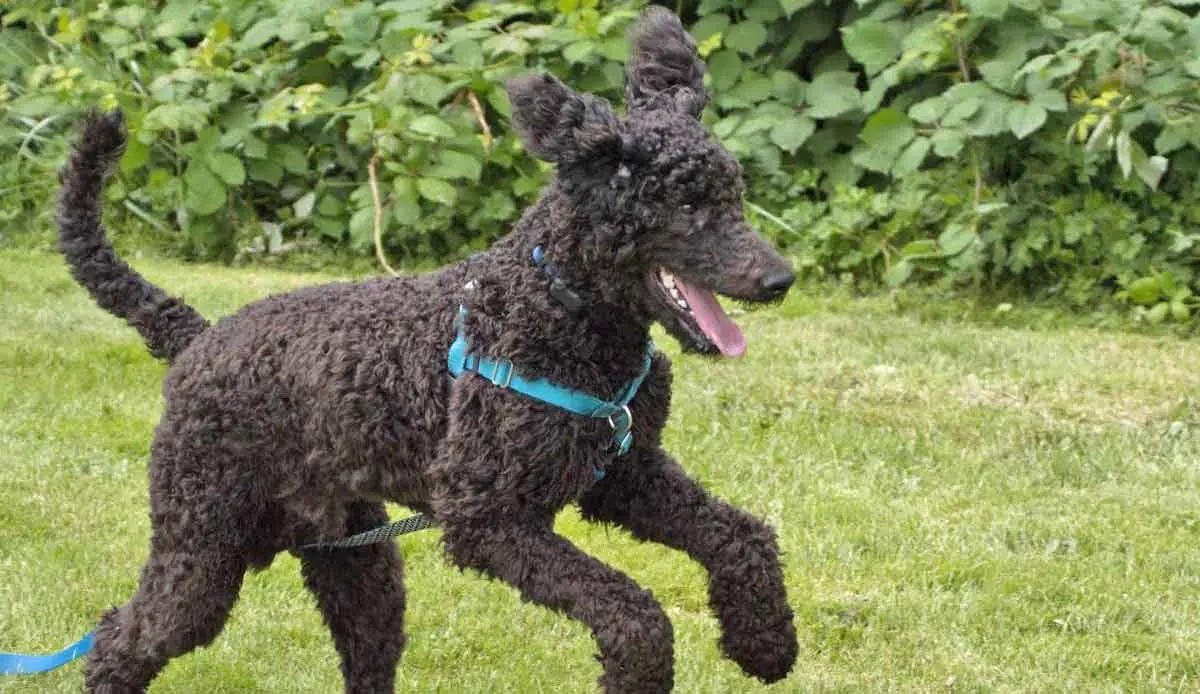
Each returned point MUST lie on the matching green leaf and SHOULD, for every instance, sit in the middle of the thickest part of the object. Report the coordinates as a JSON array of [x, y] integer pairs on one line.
[[832, 94], [961, 111], [1101, 137], [746, 37], [790, 133], [129, 17], [725, 67], [424, 88], [790, 7], [888, 129], [331, 205], [1024, 119], [1180, 311], [261, 32], [1144, 291], [137, 153], [763, 10], [406, 206], [707, 26], [205, 194], [1170, 138], [752, 89], [303, 207], [1167, 284], [431, 125], [872, 158], [228, 167], [911, 158], [1051, 100], [872, 43], [578, 51], [116, 37], [787, 87], [294, 32], [451, 165], [437, 190], [929, 110], [990, 9], [362, 227], [955, 239], [898, 273], [873, 97], [290, 157], [468, 54], [506, 43], [948, 143], [266, 170], [1149, 169], [992, 118], [1124, 145], [921, 248], [1158, 314], [254, 148]]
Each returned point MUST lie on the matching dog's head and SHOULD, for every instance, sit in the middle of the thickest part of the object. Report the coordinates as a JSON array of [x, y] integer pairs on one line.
[[661, 198]]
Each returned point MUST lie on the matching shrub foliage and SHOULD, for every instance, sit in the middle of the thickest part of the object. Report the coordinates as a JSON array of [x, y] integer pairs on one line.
[[1052, 145]]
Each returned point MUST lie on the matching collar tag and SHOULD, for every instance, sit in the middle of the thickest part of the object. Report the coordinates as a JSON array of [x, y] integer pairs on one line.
[[558, 289]]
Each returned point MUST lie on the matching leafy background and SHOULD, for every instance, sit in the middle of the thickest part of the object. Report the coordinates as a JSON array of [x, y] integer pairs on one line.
[[1044, 148]]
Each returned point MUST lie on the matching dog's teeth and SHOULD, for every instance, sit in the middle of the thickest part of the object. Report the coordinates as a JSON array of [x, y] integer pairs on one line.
[[668, 283]]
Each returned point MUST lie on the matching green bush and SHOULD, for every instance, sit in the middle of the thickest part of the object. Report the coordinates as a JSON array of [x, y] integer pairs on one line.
[[1047, 145], [986, 142], [259, 124]]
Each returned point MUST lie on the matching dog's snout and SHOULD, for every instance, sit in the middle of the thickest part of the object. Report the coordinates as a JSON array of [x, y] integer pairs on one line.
[[778, 283]]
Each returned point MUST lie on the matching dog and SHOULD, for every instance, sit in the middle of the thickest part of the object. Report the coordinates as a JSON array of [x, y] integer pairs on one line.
[[298, 417]]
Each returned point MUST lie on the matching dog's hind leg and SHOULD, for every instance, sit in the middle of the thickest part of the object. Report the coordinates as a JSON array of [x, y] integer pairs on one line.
[[360, 592], [651, 496], [183, 599]]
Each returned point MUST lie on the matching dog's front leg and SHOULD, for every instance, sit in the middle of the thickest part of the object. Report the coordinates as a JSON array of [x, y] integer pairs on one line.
[[632, 631], [650, 495], [497, 487]]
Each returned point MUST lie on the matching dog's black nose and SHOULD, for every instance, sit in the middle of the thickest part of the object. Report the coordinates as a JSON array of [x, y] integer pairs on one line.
[[777, 283]]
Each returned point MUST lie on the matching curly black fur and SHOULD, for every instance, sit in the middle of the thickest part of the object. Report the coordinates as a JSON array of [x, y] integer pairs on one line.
[[296, 418], [166, 323]]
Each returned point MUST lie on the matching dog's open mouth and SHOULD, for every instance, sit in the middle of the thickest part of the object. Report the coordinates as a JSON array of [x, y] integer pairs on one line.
[[700, 315]]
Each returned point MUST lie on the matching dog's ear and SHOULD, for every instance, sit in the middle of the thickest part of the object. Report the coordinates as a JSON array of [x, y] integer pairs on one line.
[[664, 69], [558, 125]]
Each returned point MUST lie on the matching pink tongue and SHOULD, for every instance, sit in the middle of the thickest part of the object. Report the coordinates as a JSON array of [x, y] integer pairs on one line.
[[712, 320]]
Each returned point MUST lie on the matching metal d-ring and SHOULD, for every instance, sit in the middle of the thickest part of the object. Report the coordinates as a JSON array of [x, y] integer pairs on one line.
[[628, 418]]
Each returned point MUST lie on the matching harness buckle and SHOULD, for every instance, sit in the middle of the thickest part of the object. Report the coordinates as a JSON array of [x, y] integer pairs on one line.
[[502, 374]]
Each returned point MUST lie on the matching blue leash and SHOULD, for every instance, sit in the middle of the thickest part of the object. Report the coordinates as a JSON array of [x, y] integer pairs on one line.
[[20, 664]]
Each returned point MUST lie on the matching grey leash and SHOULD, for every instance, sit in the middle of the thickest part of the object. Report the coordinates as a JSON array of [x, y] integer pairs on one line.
[[381, 534]]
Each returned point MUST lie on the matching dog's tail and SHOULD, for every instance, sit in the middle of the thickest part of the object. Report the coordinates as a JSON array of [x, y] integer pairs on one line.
[[167, 324]]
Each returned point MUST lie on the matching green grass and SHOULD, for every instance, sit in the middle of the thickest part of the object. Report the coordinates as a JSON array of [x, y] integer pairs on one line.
[[964, 507]]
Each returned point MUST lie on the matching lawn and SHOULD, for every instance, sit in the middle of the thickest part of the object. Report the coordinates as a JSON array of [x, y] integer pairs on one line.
[[965, 506]]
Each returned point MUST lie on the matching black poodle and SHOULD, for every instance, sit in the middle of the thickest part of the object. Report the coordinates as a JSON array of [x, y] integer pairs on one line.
[[295, 419]]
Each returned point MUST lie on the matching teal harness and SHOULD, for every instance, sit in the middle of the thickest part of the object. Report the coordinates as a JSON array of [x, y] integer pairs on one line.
[[502, 375]]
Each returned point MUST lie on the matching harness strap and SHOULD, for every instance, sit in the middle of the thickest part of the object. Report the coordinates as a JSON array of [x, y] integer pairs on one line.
[[502, 375]]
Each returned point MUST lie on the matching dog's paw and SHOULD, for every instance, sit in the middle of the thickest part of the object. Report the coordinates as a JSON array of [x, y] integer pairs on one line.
[[766, 653]]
